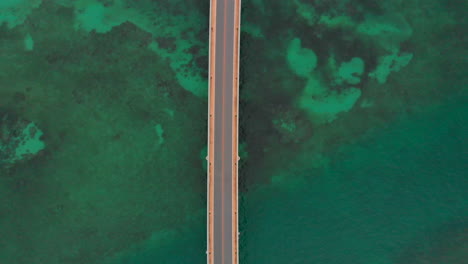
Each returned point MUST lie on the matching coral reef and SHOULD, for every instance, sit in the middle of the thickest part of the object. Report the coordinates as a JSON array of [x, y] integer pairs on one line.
[[301, 60], [390, 63], [323, 105], [15, 12], [20, 140]]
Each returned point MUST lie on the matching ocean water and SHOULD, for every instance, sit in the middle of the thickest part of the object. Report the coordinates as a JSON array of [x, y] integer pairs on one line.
[[396, 196], [353, 132]]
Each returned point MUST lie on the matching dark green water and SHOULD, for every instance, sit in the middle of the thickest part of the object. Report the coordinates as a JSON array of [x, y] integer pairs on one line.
[[353, 132], [396, 196]]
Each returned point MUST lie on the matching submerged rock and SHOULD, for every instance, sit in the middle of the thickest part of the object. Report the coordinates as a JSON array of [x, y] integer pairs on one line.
[[20, 140], [302, 61], [390, 63], [323, 104]]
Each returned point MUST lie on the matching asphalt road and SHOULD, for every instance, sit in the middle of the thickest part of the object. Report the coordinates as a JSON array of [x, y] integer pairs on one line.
[[224, 134]]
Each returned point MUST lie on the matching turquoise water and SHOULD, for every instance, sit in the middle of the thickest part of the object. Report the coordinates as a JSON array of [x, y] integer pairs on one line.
[[396, 196], [382, 200], [353, 132]]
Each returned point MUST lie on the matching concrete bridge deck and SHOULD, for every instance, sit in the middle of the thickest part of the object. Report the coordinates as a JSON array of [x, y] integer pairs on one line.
[[222, 219]]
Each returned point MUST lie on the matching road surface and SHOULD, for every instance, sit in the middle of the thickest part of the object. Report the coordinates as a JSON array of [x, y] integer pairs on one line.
[[223, 131]]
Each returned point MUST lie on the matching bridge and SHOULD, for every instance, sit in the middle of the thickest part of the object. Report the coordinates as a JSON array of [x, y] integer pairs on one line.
[[222, 204]]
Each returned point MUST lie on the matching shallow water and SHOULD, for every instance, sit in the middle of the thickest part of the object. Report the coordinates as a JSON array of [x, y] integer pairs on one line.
[[353, 132]]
